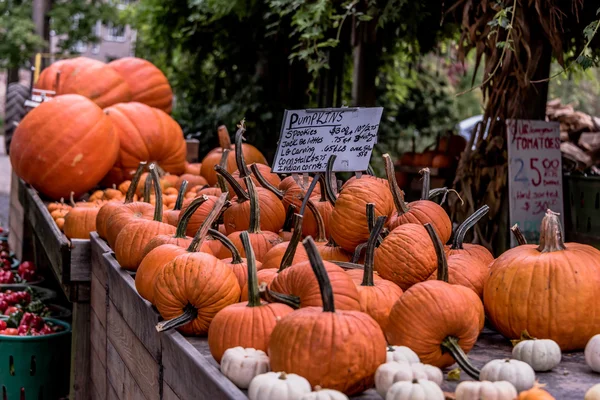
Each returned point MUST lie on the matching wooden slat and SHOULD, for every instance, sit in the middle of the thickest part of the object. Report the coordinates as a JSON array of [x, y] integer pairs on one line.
[[99, 299], [190, 375], [138, 313], [137, 360], [98, 375], [98, 338], [121, 379], [80, 352], [193, 150], [97, 248], [111, 393], [168, 393], [80, 264], [15, 218]]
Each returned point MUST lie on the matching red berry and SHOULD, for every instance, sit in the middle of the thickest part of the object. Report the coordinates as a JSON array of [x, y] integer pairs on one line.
[[2, 324]]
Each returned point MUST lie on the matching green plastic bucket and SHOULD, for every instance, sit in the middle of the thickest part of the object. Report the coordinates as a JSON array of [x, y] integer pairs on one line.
[[35, 367]]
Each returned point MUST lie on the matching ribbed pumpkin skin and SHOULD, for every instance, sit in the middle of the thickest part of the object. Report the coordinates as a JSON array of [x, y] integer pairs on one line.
[[207, 170], [272, 214], [87, 77], [338, 350], [294, 194], [124, 215], [103, 215], [240, 269], [198, 279], [151, 265], [422, 212], [264, 276], [406, 256], [333, 253], [467, 271], [131, 241], [64, 145], [429, 312], [146, 82], [309, 226], [147, 134], [274, 256], [299, 280], [79, 222], [348, 224], [552, 295], [475, 250], [198, 216], [261, 243]]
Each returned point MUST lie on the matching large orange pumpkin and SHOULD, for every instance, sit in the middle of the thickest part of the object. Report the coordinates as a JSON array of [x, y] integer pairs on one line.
[[550, 290], [146, 133], [63, 146], [146, 82], [332, 348], [476, 250], [87, 77]]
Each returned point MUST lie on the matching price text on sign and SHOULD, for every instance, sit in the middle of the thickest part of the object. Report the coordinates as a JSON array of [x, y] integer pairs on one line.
[[534, 174], [309, 137]]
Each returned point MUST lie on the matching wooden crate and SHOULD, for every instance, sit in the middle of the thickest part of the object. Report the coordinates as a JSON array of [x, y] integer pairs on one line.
[[193, 150]]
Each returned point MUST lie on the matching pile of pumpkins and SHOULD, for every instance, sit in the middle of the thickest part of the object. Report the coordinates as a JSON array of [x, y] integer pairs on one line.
[[344, 289]]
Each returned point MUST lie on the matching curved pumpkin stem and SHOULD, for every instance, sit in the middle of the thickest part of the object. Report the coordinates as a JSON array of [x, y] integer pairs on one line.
[[442, 261], [236, 257], [158, 202], [271, 296], [147, 188], [329, 175], [237, 188], [426, 183], [72, 199], [551, 236], [308, 193], [264, 182], [180, 195], [316, 262], [518, 235], [223, 163], [370, 254], [450, 345], [290, 251], [321, 234], [397, 194], [468, 223], [289, 218], [370, 170], [253, 294], [224, 139], [203, 230], [254, 226], [239, 154], [134, 182], [189, 314], [371, 224], [187, 214]]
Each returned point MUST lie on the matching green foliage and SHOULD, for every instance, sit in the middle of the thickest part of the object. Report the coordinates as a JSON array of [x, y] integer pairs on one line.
[[18, 40]]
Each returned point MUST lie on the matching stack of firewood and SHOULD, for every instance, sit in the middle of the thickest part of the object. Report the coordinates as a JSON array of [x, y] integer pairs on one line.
[[580, 137]]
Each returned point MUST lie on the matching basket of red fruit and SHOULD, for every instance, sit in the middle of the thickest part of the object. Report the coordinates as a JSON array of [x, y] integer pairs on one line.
[[33, 300], [34, 353], [12, 271]]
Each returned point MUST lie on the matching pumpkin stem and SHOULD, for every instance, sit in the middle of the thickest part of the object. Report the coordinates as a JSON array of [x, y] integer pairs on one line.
[[253, 294], [134, 182], [327, 180], [450, 345], [180, 195], [254, 226], [551, 236], [442, 261], [426, 183], [189, 314], [147, 187], [289, 218], [271, 296], [518, 235], [308, 193], [264, 182], [321, 234], [290, 251], [370, 254], [370, 170], [316, 262], [237, 188], [467, 224], [72, 199], [223, 163], [187, 214], [397, 194], [158, 203], [224, 139], [236, 257], [239, 154], [357, 252], [203, 230]]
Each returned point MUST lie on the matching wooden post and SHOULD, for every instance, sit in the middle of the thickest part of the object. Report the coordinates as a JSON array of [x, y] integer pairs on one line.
[[42, 24], [366, 54]]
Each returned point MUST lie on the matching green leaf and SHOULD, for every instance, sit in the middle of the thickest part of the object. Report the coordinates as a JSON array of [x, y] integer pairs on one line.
[[585, 61]]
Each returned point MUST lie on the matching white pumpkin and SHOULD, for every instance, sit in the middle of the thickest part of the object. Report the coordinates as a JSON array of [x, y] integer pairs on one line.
[[401, 353], [540, 354], [391, 372], [592, 353], [241, 365], [417, 389], [517, 372], [593, 393], [324, 394], [278, 386], [486, 390]]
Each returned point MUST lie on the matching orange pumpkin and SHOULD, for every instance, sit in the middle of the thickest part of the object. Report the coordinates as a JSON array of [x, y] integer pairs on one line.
[[199, 215], [476, 250], [467, 271], [192, 168], [146, 133], [146, 82], [535, 393], [288, 226], [331, 348], [79, 144], [124, 215], [417, 212], [172, 216], [80, 221], [327, 248], [558, 283], [194, 180], [247, 324]]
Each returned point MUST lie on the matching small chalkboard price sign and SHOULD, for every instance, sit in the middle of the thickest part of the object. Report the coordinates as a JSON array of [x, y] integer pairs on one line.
[[309, 137], [534, 174]]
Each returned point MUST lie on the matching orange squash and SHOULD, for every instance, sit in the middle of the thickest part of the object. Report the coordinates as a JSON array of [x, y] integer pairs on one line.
[[172, 216], [476, 250], [80, 221]]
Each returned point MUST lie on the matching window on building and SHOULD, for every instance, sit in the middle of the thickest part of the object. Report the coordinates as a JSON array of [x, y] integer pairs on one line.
[[115, 33]]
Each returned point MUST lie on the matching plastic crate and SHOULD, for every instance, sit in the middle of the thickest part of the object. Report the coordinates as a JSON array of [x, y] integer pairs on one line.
[[582, 209], [35, 367]]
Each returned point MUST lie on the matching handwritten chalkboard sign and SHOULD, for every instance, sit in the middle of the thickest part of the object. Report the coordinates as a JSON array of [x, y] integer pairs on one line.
[[534, 173], [309, 137]]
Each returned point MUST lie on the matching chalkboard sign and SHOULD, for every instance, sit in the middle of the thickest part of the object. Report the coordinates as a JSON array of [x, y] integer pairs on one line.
[[309, 137], [534, 173]]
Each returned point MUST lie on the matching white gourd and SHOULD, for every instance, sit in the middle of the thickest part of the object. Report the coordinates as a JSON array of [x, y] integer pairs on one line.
[[540, 354], [417, 389], [324, 394], [241, 365], [517, 372], [592, 353], [486, 390], [278, 386], [391, 372], [593, 393], [401, 353]]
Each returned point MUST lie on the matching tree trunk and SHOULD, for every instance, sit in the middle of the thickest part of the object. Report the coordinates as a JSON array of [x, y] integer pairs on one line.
[[366, 54], [42, 25], [12, 75]]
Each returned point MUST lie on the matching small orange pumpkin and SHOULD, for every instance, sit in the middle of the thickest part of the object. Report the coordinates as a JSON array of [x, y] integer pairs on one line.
[[172, 216]]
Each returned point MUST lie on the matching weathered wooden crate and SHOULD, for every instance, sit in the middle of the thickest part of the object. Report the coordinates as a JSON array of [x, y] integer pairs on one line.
[[193, 150]]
